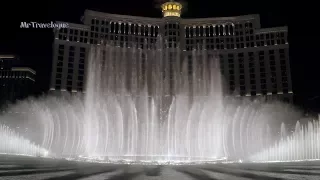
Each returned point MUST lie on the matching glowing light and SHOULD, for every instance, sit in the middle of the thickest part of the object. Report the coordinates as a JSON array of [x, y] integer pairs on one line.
[[172, 9], [45, 153]]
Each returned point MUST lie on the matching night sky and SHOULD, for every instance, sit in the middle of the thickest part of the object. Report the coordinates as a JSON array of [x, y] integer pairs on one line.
[[34, 46]]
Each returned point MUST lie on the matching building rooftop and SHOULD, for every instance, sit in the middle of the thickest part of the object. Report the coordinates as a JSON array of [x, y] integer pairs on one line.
[[273, 29], [8, 56], [24, 69], [143, 20]]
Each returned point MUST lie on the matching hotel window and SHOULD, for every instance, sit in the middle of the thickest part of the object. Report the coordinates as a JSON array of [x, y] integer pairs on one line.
[[69, 77], [61, 52], [81, 66], [272, 57], [85, 39], [58, 81], [59, 64], [80, 84], [71, 34], [92, 28], [82, 55], [71, 59], [282, 37], [81, 72], [76, 35]]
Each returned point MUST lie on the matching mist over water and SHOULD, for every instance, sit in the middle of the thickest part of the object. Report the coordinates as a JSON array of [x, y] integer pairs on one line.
[[138, 106]]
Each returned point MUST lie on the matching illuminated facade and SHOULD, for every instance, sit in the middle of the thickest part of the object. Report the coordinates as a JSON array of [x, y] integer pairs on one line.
[[16, 82], [254, 61], [171, 9]]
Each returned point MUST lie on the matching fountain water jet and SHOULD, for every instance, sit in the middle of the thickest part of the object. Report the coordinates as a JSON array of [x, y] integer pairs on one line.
[[139, 105], [302, 145], [14, 144]]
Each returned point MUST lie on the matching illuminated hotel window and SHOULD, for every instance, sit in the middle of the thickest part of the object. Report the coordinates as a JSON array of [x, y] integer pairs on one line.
[[169, 6]]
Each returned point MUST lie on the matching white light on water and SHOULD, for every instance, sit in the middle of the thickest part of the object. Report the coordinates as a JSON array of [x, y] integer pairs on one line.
[[302, 145], [14, 144], [135, 110]]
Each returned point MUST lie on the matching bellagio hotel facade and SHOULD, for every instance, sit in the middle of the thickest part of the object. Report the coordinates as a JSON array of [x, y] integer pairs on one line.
[[254, 61]]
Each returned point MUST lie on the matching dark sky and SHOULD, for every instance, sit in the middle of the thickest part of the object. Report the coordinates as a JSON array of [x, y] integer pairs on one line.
[[34, 46]]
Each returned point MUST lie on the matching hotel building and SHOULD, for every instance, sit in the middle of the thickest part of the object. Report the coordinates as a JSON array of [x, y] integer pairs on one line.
[[16, 82], [253, 61]]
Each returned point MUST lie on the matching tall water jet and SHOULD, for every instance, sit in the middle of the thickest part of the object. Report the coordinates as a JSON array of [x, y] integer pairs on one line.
[[146, 104]]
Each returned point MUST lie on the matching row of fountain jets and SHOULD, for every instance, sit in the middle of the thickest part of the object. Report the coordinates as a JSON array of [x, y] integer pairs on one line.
[[126, 113]]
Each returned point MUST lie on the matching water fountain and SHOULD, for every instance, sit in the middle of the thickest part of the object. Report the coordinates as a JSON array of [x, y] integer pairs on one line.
[[14, 144], [302, 145], [140, 107]]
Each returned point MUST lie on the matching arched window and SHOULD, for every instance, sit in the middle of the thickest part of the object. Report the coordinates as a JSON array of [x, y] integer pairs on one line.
[[232, 29], [221, 30], [135, 29], [146, 30], [122, 28], [156, 31], [142, 30], [217, 30], [116, 28], [197, 31], [132, 28], [112, 29], [191, 31], [187, 32], [152, 31], [201, 31], [227, 29], [126, 29]]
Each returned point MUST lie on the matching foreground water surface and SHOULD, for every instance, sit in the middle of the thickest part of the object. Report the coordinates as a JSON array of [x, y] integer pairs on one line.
[[23, 168]]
